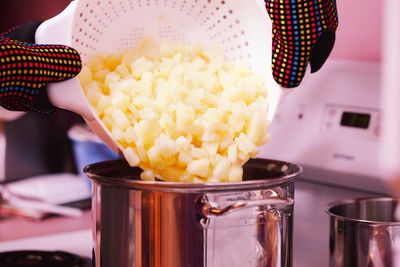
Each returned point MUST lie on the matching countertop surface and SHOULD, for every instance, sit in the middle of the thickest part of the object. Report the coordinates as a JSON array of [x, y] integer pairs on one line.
[[19, 228], [76, 242]]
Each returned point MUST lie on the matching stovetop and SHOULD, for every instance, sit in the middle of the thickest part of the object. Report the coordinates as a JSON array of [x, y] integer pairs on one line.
[[40, 258], [78, 243]]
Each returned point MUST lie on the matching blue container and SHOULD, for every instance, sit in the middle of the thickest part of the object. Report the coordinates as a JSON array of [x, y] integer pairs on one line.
[[88, 150]]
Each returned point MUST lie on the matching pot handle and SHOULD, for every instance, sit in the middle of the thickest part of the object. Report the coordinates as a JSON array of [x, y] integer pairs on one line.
[[208, 209]]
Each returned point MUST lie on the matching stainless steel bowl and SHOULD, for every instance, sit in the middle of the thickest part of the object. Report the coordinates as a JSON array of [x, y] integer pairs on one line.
[[163, 224], [364, 233]]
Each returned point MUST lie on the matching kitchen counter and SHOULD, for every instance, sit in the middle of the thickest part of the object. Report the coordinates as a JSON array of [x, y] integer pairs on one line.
[[73, 235], [76, 242], [18, 228]]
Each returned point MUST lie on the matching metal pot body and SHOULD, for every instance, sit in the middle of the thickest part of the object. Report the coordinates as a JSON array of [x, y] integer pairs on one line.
[[364, 233], [162, 224]]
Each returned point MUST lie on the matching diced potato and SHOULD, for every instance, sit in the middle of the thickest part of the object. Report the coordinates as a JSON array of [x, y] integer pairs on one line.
[[120, 119], [168, 49], [199, 153], [118, 134], [128, 57], [147, 175], [181, 112], [185, 158], [123, 71], [103, 103], [93, 97], [130, 135], [140, 66], [97, 63], [108, 122], [142, 152], [235, 174], [198, 180], [173, 174], [120, 100], [155, 158], [232, 153], [95, 86], [141, 102], [222, 169], [199, 167], [113, 61], [148, 131], [124, 86], [183, 142], [85, 76], [185, 114], [111, 78], [253, 131], [101, 75], [211, 148], [166, 146], [244, 144], [131, 156]]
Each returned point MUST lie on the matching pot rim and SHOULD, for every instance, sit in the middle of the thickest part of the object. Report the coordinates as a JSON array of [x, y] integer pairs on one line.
[[295, 170], [355, 200]]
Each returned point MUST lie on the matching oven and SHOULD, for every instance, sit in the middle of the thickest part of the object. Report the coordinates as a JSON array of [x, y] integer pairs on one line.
[[330, 125]]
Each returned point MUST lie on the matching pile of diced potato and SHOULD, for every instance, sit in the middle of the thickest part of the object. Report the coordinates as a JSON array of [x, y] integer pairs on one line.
[[181, 112]]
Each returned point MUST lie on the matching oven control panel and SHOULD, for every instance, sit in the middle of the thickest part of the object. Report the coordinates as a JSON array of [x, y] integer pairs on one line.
[[350, 121], [331, 122]]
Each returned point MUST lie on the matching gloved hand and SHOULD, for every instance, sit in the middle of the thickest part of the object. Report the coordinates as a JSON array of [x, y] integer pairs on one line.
[[26, 68], [303, 32]]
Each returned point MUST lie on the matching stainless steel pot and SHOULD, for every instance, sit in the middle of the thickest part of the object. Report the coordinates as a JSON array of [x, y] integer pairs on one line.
[[163, 224], [364, 233]]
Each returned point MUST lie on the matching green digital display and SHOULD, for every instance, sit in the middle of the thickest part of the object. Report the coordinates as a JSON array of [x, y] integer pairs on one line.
[[357, 120]]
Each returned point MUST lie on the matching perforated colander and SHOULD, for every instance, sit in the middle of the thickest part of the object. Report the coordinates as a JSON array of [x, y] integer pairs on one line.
[[241, 28]]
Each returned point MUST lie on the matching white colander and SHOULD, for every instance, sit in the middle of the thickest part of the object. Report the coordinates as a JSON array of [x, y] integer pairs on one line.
[[241, 28]]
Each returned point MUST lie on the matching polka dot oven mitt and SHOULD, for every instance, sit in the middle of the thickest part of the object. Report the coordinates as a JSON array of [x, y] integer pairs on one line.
[[26, 68], [303, 32]]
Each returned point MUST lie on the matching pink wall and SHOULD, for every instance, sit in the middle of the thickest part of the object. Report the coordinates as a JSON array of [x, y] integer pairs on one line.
[[359, 32], [17, 12], [358, 35]]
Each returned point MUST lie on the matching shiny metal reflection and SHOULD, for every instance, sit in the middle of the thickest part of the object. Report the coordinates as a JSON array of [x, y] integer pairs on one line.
[[161, 224], [364, 233]]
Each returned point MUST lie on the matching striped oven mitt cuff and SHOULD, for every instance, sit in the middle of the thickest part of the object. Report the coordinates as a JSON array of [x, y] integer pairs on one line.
[[26, 68], [303, 32]]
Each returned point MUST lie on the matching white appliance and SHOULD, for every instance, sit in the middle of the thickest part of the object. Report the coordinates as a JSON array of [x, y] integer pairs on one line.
[[390, 100], [330, 125]]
